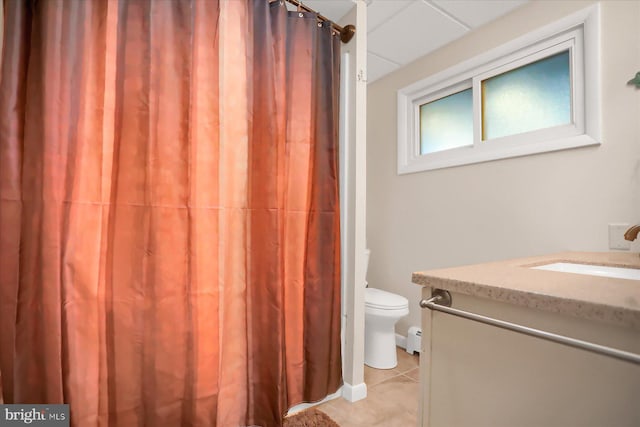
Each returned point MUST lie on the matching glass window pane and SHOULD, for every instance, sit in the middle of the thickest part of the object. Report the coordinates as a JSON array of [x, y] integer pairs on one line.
[[447, 122], [535, 96]]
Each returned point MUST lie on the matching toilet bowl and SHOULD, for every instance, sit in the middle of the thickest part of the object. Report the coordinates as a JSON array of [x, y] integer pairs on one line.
[[382, 310]]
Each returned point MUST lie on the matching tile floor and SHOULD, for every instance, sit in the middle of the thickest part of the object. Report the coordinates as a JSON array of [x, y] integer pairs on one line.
[[392, 397]]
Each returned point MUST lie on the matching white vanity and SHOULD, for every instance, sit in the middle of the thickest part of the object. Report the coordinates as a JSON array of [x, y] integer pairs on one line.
[[475, 374]]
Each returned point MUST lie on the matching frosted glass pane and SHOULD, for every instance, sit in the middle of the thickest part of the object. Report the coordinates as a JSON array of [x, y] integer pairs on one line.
[[447, 123], [532, 97]]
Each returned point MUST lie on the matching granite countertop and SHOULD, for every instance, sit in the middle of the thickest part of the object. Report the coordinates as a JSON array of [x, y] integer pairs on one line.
[[605, 299]]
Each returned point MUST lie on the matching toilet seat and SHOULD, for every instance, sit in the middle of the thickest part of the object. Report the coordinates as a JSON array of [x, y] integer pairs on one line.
[[383, 300]]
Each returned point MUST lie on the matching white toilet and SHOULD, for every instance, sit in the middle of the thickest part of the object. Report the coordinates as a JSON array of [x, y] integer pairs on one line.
[[382, 310]]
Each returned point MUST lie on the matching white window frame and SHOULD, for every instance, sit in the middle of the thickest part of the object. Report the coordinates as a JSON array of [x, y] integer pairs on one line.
[[579, 33]]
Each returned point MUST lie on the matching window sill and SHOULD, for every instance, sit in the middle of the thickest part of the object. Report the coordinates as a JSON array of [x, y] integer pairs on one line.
[[493, 151]]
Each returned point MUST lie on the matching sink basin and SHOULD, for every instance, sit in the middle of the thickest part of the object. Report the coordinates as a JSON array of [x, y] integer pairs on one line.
[[592, 270]]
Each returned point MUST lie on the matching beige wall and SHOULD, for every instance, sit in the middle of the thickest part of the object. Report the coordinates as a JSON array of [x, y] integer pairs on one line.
[[507, 208]]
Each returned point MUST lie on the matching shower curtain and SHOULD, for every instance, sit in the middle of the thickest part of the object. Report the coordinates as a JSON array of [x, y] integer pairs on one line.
[[169, 215]]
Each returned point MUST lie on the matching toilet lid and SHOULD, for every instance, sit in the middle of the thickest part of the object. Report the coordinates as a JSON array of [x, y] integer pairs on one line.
[[377, 298]]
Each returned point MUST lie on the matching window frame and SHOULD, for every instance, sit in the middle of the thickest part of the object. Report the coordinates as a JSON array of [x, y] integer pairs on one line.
[[579, 33]]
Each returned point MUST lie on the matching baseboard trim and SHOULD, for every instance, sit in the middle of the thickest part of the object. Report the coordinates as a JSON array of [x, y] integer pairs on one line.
[[353, 393], [401, 341], [302, 406]]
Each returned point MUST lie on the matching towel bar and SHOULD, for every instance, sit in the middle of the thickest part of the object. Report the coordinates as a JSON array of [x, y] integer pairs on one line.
[[441, 301]]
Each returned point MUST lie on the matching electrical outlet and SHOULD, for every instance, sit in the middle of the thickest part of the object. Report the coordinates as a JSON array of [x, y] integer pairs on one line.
[[616, 237]]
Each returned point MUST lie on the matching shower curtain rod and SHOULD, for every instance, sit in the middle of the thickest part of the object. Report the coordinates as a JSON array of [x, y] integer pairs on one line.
[[346, 33]]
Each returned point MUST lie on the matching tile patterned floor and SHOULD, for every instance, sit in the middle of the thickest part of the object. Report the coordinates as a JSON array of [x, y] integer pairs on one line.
[[392, 397]]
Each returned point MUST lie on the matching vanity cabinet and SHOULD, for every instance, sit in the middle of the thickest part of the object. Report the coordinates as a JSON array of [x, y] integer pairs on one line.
[[473, 374]]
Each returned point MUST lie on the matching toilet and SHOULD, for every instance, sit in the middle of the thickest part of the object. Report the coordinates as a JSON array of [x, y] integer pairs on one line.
[[382, 310]]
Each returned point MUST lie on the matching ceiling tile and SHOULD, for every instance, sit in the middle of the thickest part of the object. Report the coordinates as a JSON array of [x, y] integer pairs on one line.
[[378, 67], [381, 10], [412, 33], [332, 9], [477, 12]]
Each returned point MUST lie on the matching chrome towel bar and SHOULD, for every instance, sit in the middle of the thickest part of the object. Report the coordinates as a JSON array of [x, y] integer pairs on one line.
[[441, 301]]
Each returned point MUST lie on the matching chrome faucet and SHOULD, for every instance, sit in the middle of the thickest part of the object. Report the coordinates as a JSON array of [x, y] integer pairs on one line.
[[632, 233]]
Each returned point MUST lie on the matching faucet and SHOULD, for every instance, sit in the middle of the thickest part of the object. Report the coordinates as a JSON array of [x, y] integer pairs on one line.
[[632, 233]]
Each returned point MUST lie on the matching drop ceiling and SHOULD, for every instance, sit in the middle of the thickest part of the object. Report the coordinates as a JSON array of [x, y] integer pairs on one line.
[[401, 31]]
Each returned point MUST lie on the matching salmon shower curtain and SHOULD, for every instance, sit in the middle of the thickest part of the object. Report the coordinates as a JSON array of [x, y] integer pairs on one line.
[[169, 225]]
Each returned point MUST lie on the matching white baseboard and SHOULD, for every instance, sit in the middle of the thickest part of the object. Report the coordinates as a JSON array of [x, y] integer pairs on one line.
[[353, 393], [401, 341], [302, 406]]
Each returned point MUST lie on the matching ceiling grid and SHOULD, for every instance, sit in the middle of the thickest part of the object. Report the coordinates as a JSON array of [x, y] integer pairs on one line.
[[401, 31]]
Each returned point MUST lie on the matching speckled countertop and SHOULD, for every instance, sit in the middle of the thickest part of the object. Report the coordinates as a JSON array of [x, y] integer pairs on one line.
[[605, 299]]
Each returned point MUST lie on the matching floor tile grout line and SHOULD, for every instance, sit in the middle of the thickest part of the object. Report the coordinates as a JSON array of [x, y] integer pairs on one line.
[[401, 374], [410, 369], [412, 379]]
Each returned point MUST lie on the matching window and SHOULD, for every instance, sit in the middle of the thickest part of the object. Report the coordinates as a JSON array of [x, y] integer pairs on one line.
[[536, 94], [446, 122]]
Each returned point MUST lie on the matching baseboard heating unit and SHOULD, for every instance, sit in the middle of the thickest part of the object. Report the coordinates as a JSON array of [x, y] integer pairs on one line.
[[414, 339]]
